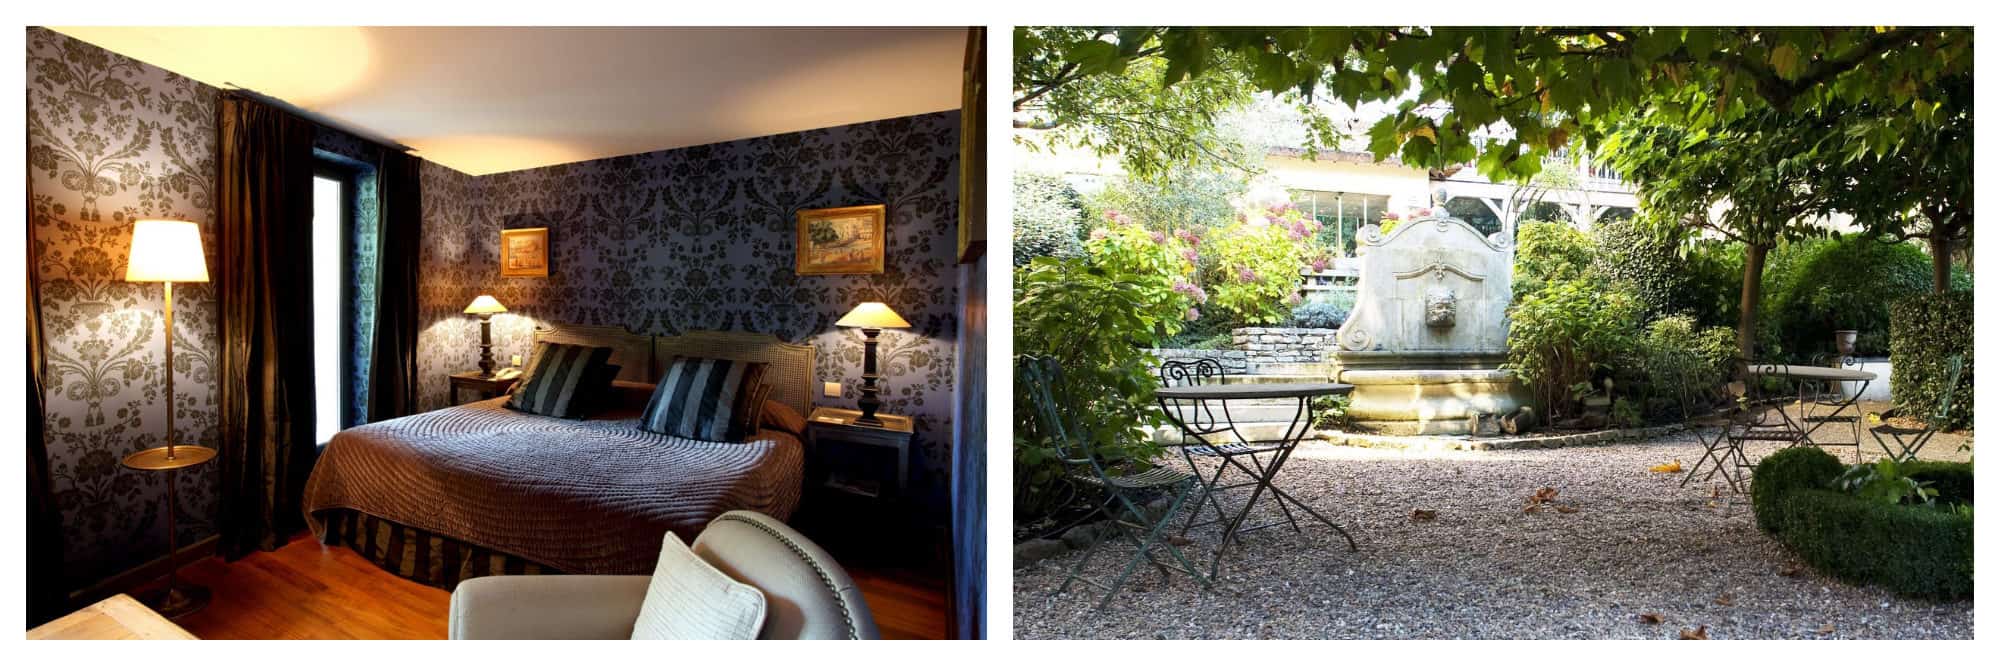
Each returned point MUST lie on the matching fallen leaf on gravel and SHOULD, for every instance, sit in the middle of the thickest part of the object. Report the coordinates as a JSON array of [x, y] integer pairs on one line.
[[1179, 540], [1790, 570], [1725, 600], [1566, 509], [1667, 468], [1421, 515], [1825, 629], [1540, 497], [1650, 618], [1696, 634]]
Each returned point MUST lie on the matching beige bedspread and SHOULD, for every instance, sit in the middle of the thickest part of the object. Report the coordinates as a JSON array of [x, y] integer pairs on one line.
[[588, 497]]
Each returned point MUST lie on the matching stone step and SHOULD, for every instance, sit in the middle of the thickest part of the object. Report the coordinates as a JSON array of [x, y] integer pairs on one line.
[[1273, 378]]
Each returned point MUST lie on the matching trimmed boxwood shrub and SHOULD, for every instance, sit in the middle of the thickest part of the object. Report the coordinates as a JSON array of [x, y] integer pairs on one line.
[[1924, 332], [1917, 551]]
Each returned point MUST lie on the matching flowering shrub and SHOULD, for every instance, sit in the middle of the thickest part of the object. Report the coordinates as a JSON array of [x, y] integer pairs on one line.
[[1162, 264], [1256, 278]]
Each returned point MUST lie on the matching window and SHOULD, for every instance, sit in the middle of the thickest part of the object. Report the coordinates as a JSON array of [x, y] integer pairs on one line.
[[1475, 213], [1341, 214], [332, 219]]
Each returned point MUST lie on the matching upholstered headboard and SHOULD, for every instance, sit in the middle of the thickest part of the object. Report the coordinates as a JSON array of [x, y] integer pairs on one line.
[[789, 367], [631, 352]]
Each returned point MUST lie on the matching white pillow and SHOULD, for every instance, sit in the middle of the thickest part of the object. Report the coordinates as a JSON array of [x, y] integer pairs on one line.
[[689, 599]]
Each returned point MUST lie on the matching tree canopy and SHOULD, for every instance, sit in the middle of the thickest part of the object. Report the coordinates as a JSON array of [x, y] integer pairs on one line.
[[1503, 97]]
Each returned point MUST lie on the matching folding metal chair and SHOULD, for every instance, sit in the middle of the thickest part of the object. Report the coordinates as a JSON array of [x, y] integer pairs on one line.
[[1910, 441], [1056, 410], [1199, 418], [1826, 403], [1721, 453]]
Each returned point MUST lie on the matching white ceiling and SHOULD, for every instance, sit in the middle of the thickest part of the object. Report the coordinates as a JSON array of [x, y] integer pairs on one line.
[[485, 100]]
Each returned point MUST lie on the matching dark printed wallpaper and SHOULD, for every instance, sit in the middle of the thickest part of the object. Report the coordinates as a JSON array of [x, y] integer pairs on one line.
[[702, 238], [111, 140], [663, 242]]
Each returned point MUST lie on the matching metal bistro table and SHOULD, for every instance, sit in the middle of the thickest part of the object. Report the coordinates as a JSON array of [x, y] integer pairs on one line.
[[1816, 410], [1176, 402]]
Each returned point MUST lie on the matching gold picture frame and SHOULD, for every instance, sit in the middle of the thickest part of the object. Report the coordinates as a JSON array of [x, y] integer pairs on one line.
[[849, 240], [524, 252]]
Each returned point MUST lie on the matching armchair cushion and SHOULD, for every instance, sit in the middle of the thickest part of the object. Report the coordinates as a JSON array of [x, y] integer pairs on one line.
[[690, 599], [546, 607]]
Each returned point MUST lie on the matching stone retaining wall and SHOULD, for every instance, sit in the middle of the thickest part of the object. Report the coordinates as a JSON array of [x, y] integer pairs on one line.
[[1233, 361], [1267, 346]]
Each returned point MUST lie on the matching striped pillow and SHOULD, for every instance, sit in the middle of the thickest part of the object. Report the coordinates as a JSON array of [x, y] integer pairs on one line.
[[561, 380], [702, 398]]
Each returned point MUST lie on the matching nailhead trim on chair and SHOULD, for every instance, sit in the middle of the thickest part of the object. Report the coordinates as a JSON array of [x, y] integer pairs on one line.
[[825, 578]]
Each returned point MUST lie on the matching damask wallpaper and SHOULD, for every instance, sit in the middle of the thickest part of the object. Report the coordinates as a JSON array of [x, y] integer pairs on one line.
[[702, 238], [111, 140]]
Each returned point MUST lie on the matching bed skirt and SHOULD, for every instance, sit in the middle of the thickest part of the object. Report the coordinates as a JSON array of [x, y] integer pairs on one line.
[[415, 554]]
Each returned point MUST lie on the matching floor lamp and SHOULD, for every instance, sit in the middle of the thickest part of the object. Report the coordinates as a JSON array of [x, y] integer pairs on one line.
[[169, 251]]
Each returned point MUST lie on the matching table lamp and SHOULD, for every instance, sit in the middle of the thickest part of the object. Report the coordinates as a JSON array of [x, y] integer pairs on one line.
[[871, 318], [485, 306], [169, 251]]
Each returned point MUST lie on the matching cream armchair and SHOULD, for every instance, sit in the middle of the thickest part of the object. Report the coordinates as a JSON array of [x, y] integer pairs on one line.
[[806, 594]]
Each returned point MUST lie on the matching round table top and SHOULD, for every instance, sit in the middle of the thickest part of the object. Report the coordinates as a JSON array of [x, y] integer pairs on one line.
[[1252, 391], [155, 459], [1811, 372]]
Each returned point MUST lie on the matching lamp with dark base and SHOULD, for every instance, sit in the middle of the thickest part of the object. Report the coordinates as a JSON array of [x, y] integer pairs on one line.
[[169, 251], [485, 306], [871, 318]]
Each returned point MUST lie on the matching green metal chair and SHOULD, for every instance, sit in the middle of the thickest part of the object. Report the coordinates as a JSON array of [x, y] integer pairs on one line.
[[1909, 441], [1055, 412]]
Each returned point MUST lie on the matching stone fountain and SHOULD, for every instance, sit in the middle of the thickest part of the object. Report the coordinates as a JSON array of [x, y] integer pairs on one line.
[[1428, 332]]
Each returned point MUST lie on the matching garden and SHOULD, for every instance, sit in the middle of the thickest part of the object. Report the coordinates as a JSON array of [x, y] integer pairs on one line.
[[1799, 230]]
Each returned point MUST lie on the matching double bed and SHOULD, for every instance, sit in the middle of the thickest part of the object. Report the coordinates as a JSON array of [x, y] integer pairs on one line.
[[479, 489]]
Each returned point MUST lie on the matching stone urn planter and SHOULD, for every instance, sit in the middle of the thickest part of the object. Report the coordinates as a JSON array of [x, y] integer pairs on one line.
[[1843, 341]]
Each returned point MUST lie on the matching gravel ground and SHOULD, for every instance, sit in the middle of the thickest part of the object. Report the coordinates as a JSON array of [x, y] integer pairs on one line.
[[1636, 543]]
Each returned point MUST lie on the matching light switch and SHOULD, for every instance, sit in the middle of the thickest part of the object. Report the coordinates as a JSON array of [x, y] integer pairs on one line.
[[833, 389], [517, 360]]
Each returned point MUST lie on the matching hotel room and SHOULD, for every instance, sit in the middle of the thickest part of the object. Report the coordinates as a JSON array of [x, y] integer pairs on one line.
[[364, 332]]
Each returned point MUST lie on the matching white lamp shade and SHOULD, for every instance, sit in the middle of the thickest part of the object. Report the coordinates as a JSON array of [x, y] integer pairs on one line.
[[485, 304], [872, 315], [166, 251]]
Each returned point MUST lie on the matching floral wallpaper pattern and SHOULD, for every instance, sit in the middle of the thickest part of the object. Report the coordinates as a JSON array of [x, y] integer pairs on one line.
[[112, 140], [702, 238]]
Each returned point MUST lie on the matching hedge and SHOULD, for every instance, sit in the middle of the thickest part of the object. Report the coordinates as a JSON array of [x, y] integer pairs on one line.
[[1924, 332], [1915, 551]]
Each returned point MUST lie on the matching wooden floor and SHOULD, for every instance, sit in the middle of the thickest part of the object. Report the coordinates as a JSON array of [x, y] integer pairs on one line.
[[306, 590]]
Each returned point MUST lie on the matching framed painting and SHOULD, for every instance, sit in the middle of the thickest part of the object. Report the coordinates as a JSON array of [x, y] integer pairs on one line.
[[524, 252], [842, 241]]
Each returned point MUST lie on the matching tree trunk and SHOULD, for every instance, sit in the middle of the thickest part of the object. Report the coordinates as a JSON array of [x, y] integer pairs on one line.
[[1940, 263], [1753, 292]]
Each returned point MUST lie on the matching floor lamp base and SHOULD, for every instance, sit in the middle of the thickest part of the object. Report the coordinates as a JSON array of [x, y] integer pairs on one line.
[[177, 601]]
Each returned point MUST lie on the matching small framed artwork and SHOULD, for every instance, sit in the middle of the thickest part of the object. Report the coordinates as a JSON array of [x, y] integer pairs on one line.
[[524, 252], [842, 241]]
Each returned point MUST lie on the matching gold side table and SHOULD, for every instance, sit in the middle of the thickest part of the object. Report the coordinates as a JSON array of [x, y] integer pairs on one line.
[[174, 600]]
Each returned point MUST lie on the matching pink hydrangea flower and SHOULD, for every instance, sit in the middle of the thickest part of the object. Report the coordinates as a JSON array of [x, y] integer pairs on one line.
[[1292, 299], [1246, 275], [1319, 265], [1190, 255], [1193, 314], [1099, 233], [1391, 215], [1159, 238]]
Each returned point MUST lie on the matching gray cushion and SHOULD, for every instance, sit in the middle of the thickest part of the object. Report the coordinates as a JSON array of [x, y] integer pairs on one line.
[[806, 594], [690, 600]]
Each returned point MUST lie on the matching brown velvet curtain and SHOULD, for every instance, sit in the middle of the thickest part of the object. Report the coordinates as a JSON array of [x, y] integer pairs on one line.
[[392, 371], [263, 213], [48, 597]]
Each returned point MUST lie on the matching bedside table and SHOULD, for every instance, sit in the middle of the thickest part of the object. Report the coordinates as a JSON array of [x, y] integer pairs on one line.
[[486, 386], [831, 428]]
